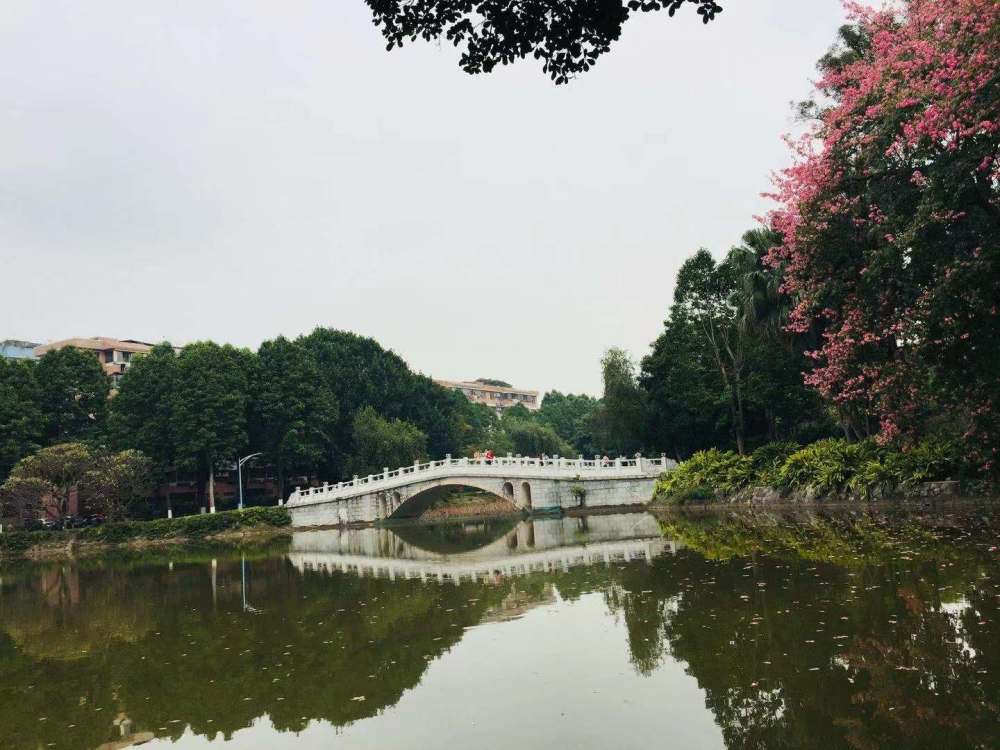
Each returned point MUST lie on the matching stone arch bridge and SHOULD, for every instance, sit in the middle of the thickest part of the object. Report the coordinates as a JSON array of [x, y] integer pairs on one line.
[[531, 484]]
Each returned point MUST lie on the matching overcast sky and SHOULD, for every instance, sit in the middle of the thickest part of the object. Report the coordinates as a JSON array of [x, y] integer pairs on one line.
[[238, 169]]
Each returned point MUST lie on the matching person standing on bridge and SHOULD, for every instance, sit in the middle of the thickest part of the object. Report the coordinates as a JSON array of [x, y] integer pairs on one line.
[[489, 455]]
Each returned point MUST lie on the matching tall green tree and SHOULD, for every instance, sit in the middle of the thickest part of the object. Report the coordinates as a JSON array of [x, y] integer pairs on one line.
[[21, 428], [73, 394], [708, 294], [210, 407], [293, 414], [141, 413], [622, 418], [381, 443], [358, 372], [688, 410]]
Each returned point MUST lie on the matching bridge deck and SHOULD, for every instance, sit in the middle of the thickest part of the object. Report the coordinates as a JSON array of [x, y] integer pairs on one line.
[[519, 467]]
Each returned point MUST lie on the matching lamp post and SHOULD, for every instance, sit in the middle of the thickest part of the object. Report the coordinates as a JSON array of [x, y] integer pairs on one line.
[[239, 474]]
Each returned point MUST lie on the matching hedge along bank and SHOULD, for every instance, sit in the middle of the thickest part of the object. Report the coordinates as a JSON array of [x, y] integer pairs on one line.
[[186, 528], [832, 469]]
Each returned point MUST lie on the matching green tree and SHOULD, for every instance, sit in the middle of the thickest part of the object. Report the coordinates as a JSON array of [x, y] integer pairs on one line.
[[20, 415], [622, 417], [294, 416], [571, 416], [687, 411], [210, 407], [707, 292], [381, 443], [358, 372], [529, 437], [116, 484], [61, 467], [141, 413], [73, 394]]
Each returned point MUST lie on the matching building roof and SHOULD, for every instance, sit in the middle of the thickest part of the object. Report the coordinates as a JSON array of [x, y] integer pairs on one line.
[[476, 385], [18, 344], [96, 343]]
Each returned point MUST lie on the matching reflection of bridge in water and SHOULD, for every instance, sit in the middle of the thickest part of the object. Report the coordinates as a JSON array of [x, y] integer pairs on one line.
[[536, 545]]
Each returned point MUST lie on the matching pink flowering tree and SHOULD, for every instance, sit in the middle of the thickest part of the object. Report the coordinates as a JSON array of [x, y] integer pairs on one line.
[[890, 219]]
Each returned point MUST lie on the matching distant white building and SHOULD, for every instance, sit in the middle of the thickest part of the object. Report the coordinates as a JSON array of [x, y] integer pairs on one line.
[[499, 397]]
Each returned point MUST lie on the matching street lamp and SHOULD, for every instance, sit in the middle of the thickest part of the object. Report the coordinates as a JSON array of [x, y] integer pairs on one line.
[[239, 474]]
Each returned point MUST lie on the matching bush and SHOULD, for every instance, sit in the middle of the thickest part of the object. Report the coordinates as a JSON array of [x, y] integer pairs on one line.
[[186, 527], [768, 460], [706, 473], [828, 467], [930, 460]]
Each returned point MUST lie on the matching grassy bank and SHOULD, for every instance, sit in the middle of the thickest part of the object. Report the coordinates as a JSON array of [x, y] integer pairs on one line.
[[825, 470], [221, 528]]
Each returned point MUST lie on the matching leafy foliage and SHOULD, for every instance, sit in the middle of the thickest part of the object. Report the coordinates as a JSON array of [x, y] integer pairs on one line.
[[116, 484], [61, 467], [21, 426], [381, 443], [73, 394], [827, 467], [567, 36], [293, 417], [889, 218]]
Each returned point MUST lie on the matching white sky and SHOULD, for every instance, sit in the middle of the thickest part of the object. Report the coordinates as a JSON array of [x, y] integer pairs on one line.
[[238, 169]]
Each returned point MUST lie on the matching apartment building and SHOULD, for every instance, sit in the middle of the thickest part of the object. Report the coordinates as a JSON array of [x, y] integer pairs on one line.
[[499, 397], [115, 355]]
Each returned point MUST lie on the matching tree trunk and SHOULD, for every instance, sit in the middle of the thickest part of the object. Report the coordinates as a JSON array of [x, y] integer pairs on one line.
[[740, 428], [211, 488]]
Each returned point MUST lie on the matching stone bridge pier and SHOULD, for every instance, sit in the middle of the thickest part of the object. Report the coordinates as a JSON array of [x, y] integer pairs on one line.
[[531, 484]]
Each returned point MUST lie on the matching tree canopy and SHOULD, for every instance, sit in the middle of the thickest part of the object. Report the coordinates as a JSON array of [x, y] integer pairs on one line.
[[889, 219], [567, 36]]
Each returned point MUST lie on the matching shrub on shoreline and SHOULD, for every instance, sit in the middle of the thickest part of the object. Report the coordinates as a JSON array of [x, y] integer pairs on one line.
[[825, 468], [186, 527]]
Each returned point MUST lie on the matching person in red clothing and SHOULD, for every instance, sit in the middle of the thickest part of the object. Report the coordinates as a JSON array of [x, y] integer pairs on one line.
[[489, 455]]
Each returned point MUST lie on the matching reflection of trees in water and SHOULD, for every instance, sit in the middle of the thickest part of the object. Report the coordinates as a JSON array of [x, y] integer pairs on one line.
[[793, 651], [318, 643], [897, 665]]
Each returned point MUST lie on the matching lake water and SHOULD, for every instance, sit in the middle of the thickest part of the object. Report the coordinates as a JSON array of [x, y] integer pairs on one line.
[[610, 631]]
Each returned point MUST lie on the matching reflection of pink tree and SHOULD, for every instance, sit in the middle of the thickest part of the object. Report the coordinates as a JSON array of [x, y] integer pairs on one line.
[[889, 215]]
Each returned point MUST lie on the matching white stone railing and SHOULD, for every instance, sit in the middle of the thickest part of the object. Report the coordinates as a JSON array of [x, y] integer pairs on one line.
[[554, 467]]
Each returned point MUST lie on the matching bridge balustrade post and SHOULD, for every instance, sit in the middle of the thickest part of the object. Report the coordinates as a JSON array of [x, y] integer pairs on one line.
[[618, 462], [416, 466], [355, 480], [447, 459], [638, 462], [385, 472], [579, 461], [663, 460]]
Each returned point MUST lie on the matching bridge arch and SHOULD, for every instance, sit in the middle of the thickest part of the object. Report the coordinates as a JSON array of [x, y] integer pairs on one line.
[[413, 503], [526, 495]]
